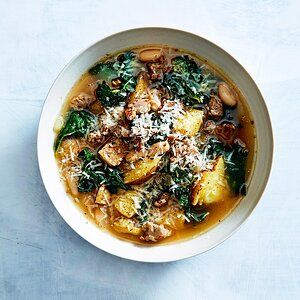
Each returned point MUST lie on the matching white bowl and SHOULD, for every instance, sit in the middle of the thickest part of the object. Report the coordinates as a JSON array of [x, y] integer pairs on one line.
[[71, 213]]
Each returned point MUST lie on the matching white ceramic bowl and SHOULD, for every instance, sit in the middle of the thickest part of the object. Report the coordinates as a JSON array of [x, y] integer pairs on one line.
[[69, 211]]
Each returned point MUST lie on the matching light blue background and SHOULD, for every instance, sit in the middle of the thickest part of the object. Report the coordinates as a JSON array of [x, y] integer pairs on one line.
[[41, 257]]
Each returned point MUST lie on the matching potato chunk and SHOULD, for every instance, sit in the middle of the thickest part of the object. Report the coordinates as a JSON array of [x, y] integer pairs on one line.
[[112, 152], [143, 170], [139, 100], [124, 225], [103, 195], [125, 203], [189, 123], [212, 187]]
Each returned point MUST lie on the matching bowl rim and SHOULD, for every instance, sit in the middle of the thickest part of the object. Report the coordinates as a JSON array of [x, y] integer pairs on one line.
[[267, 117]]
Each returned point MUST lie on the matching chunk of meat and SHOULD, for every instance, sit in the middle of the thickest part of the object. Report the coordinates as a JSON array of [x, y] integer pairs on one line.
[[154, 233], [82, 100], [155, 150], [113, 152], [121, 131], [226, 131], [155, 102], [162, 200], [97, 138], [215, 107], [209, 126], [155, 69]]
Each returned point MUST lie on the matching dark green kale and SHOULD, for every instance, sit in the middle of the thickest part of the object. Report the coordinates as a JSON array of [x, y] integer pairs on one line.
[[125, 69], [95, 172], [92, 174], [142, 214], [108, 96], [235, 158], [184, 180], [158, 121], [105, 70], [235, 161], [114, 180], [186, 81], [78, 124]]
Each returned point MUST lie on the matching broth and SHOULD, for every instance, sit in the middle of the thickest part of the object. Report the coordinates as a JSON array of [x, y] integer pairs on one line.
[[102, 215]]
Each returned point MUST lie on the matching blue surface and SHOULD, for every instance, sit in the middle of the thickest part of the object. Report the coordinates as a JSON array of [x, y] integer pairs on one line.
[[41, 257]]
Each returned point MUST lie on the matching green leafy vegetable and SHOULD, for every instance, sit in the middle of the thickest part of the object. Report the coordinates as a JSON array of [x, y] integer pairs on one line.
[[92, 174], [235, 158], [105, 70], [114, 180], [107, 96], [142, 214], [197, 216], [184, 180], [95, 172], [125, 68], [236, 168], [186, 81], [78, 124]]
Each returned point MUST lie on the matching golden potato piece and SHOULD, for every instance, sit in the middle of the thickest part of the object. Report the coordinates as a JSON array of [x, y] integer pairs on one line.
[[125, 203], [112, 152], [212, 187], [143, 170], [103, 195], [139, 101], [189, 123], [124, 225]]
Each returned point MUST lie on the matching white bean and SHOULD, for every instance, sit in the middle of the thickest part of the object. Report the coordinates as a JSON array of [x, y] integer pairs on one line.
[[150, 55], [58, 124], [227, 95]]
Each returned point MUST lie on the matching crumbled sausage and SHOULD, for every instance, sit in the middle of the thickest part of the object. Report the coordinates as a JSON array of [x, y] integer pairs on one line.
[[96, 138], [154, 232], [83, 100], [209, 126], [215, 107], [162, 200], [121, 131], [225, 131], [155, 70], [156, 149], [113, 152], [155, 101]]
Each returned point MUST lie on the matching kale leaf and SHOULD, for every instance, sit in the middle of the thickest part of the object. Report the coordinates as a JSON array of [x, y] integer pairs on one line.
[[142, 214], [114, 180], [235, 162], [105, 70], [92, 174], [95, 172], [78, 124], [124, 68], [182, 192], [107, 96], [186, 81], [235, 158]]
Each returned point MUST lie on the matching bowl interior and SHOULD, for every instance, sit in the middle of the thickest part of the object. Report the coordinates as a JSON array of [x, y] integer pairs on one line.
[[64, 204]]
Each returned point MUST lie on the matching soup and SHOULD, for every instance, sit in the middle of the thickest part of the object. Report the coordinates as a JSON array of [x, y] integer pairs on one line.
[[155, 145]]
